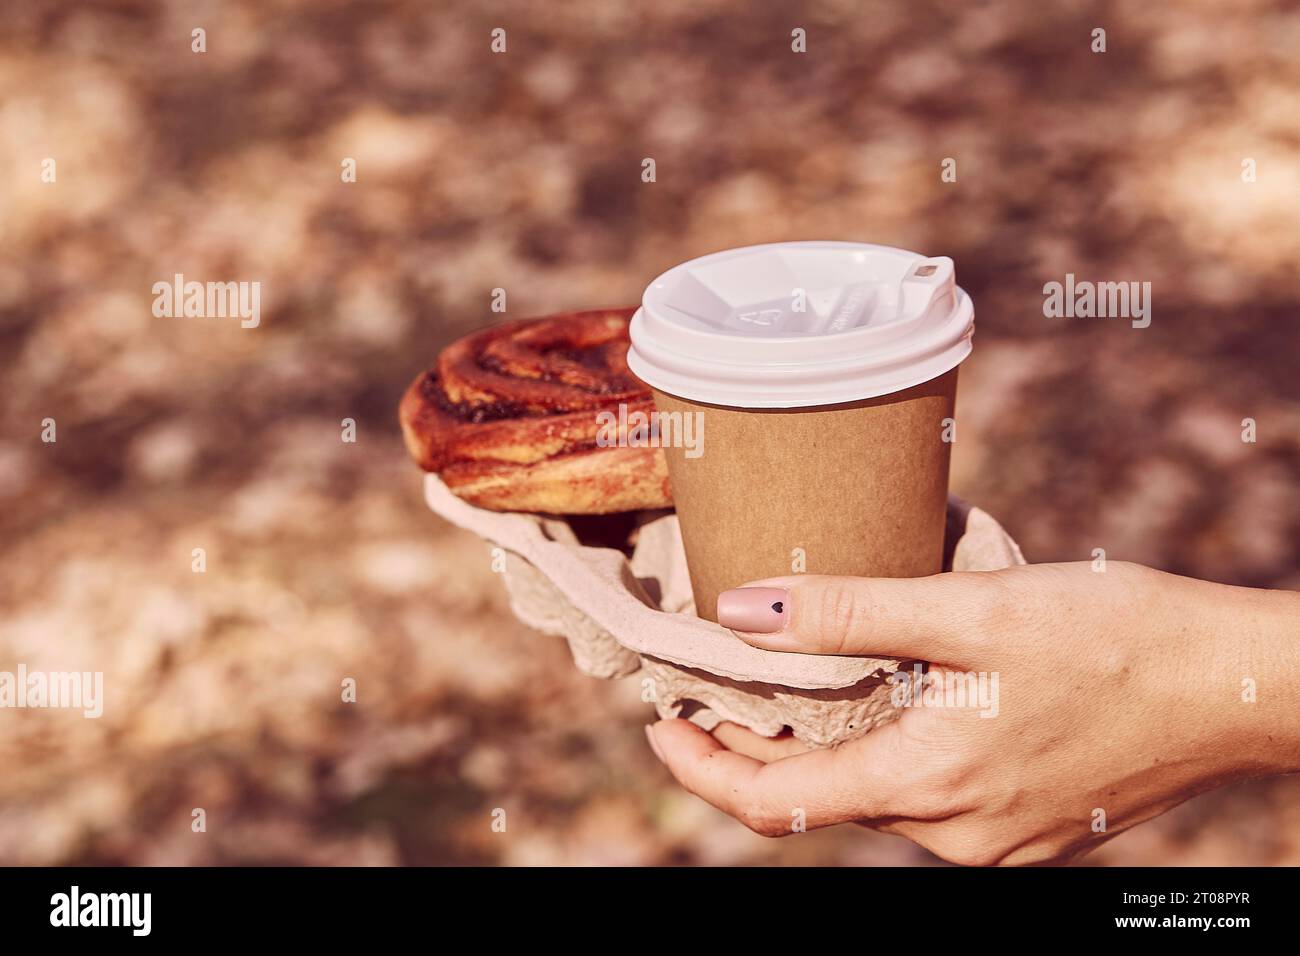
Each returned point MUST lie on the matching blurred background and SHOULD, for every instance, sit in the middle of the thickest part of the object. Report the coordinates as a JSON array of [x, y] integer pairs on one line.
[[522, 170]]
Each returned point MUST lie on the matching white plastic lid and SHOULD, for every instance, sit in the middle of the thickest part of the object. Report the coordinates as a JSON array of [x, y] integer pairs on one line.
[[793, 324]]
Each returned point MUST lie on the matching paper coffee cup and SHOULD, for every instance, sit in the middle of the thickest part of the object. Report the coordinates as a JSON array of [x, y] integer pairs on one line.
[[820, 381]]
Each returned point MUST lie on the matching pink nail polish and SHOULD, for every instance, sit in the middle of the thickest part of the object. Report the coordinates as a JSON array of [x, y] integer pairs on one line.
[[757, 610]]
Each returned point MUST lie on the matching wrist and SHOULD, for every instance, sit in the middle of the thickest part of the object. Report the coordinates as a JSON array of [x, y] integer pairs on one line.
[[1253, 683]]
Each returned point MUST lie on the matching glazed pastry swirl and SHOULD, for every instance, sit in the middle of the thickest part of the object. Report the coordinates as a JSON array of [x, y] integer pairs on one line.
[[508, 418]]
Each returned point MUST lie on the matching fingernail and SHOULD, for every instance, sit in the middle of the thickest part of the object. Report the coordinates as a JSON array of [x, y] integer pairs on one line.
[[654, 744], [757, 610]]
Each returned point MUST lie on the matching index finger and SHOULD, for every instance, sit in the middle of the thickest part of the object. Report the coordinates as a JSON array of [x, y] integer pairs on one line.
[[816, 789]]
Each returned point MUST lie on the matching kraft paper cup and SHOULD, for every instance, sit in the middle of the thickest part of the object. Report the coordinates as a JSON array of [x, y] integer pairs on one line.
[[821, 380]]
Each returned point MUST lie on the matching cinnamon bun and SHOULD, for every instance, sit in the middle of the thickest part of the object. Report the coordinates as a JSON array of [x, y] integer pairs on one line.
[[508, 418]]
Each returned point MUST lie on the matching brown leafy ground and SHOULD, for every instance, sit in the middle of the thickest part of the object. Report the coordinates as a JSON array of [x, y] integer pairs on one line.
[[522, 171]]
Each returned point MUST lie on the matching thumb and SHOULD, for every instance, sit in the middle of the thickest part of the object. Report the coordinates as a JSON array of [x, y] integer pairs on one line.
[[940, 618]]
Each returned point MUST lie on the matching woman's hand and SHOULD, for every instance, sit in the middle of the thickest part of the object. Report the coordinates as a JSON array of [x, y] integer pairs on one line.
[[1107, 698]]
